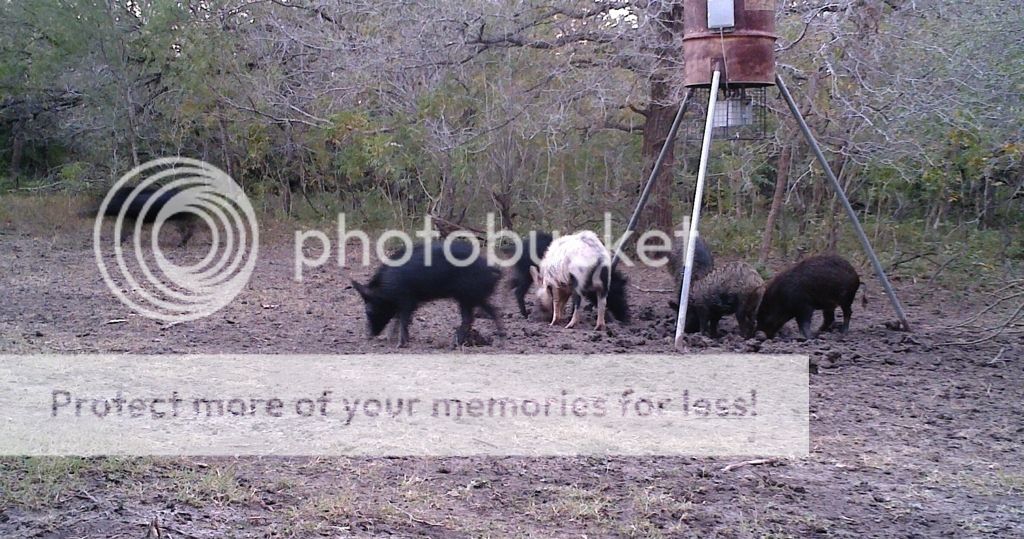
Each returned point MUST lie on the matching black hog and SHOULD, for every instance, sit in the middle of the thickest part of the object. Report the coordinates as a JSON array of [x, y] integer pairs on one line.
[[703, 264], [618, 303], [821, 282], [400, 290], [133, 207], [535, 246], [703, 261], [733, 288]]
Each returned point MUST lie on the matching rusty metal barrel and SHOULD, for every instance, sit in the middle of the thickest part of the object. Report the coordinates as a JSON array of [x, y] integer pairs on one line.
[[744, 52]]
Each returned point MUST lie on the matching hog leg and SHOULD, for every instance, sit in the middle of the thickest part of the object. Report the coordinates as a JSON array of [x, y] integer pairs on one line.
[[745, 320], [830, 318], [713, 319], [576, 299], [557, 305], [520, 291], [803, 319], [462, 334], [393, 332], [493, 313], [127, 232], [692, 321], [602, 307], [186, 228], [404, 319], [705, 321], [847, 314], [749, 328]]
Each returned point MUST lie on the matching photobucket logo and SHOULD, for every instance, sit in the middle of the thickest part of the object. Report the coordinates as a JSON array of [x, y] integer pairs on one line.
[[502, 248], [186, 192]]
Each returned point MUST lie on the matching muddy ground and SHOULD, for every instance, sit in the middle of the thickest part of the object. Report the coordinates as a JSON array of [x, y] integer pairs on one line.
[[910, 437]]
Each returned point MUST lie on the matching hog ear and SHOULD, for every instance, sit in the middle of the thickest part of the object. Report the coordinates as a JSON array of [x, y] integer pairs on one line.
[[363, 291], [535, 273]]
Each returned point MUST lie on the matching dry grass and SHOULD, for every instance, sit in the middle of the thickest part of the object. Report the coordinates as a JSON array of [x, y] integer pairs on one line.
[[37, 482], [60, 218], [580, 505], [216, 485], [46, 216]]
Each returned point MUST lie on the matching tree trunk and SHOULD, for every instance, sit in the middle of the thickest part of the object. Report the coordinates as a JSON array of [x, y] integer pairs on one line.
[[736, 184], [286, 202], [833, 225], [658, 213], [781, 180], [838, 168], [988, 203], [225, 149], [17, 146], [660, 113]]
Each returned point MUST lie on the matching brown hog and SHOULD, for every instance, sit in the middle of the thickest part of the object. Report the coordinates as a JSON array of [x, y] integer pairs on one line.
[[732, 288], [821, 282]]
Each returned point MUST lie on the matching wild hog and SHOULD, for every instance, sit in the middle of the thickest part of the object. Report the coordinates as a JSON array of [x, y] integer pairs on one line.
[[703, 261], [703, 264], [576, 266], [821, 282], [133, 206], [732, 288], [535, 246], [400, 290], [618, 302]]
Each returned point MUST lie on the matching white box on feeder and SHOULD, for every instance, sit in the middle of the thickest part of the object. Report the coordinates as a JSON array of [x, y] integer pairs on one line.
[[734, 112], [721, 14]]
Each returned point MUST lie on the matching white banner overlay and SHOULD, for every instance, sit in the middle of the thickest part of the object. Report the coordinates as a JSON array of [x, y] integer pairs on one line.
[[404, 405]]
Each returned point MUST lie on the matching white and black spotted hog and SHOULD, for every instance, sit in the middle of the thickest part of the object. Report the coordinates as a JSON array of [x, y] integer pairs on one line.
[[574, 266]]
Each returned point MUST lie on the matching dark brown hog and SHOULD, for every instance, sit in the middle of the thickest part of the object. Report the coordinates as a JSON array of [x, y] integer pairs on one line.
[[821, 282]]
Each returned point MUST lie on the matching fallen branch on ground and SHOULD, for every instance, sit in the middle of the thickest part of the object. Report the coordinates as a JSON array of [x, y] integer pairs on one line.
[[1007, 327], [755, 462], [413, 518]]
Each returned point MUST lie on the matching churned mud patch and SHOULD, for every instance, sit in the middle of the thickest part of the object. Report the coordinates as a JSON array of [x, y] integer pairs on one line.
[[909, 436]]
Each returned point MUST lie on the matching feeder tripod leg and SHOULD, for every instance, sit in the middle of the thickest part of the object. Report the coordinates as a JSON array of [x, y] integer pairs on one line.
[[698, 196], [842, 198], [646, 193]]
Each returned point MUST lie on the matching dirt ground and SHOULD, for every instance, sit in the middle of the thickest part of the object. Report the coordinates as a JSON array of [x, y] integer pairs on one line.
[[910, 437]]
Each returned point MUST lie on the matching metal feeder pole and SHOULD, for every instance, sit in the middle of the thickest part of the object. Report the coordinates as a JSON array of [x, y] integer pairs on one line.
[[846, 203], [698, 195], [646, 193]]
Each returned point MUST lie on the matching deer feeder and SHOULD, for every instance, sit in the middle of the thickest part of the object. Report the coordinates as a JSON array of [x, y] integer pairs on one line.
[[736, 38]]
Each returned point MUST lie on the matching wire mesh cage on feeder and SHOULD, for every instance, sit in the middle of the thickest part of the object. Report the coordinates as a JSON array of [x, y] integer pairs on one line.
[[736, 38], [740, 114]]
